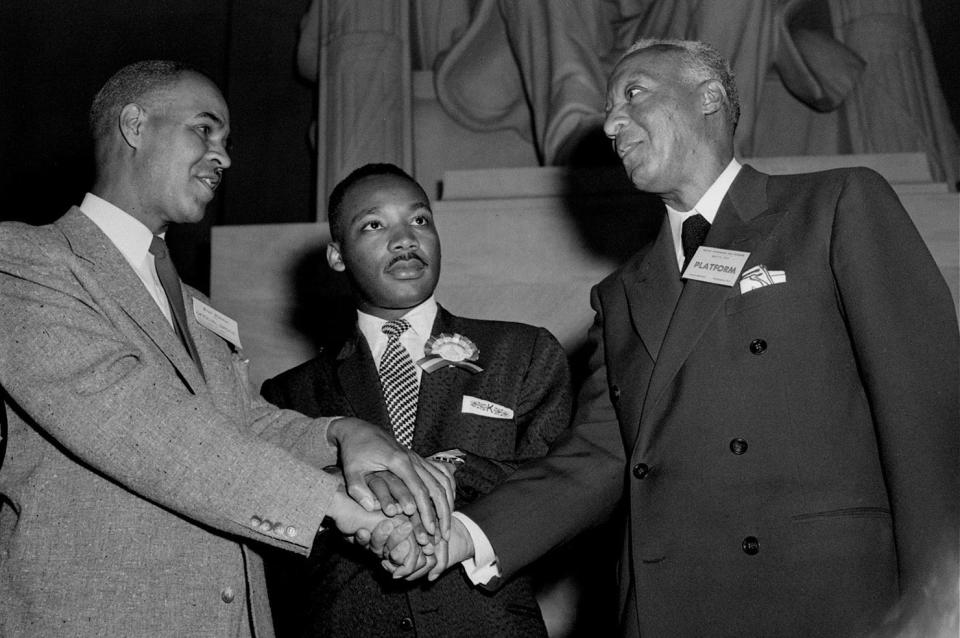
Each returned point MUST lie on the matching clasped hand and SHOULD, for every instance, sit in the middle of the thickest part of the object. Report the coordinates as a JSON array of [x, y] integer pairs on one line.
[[394, 502], [395, 532], [408, 551]]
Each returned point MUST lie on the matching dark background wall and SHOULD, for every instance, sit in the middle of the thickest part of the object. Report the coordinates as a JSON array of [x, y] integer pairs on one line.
[[55, 54]]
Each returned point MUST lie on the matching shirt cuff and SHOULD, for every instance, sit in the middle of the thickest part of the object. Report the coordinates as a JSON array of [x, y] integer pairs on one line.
[[482, 568]]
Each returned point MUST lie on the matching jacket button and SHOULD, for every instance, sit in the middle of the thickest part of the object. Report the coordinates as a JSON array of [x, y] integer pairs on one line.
[[750, 545], [266, 526], [255, 522], [758, 346], [291, 532], [227, 595], [738, 446], [406, 623], [640, 470]]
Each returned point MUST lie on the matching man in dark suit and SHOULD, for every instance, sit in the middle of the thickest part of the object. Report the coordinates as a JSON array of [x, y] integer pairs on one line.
[[141, 467], [779, 417], [488, 395]]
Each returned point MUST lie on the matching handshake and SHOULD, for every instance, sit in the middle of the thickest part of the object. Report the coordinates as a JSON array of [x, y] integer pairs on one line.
[[396, 504]]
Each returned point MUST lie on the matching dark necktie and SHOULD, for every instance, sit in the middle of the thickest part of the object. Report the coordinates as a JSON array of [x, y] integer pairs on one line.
[[399, 380], [695, 229], [170, 281]]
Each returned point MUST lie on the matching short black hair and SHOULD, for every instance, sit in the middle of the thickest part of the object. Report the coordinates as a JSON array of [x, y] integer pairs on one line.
[[130, 84], [340, 190]]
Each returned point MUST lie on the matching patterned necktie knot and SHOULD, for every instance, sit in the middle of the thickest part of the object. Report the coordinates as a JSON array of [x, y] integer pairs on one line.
[[393, 329]]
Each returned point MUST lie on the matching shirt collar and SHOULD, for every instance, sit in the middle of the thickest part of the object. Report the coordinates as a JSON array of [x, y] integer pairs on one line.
[[128, 234], [709, 202], [421, 320], [707, 205]]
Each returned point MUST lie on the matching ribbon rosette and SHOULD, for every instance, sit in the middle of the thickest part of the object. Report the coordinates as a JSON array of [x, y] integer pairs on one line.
[[450, 350]]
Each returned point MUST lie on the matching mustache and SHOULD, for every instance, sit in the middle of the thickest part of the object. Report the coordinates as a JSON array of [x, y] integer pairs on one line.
[[407, 257]]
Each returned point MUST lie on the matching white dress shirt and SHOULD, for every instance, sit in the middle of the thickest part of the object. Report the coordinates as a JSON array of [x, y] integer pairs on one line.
[[706, 206], [413, 340], [483, 566], [133, 240]]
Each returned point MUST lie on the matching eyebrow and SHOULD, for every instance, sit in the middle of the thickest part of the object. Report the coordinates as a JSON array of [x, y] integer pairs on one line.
[[366, 211], [634, 76], [212, 116], [373, 210]]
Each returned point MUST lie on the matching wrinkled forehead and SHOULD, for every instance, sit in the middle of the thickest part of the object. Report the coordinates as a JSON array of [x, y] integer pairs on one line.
[[384, 189], [196, 96], [656, 63]]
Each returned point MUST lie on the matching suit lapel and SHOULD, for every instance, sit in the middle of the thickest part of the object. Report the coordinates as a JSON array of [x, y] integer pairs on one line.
[[437, 390], [357, 374], [360, 382], [122, 284], [652, 290], [742, 223]]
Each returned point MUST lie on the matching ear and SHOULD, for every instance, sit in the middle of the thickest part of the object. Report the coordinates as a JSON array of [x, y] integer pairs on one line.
[[132, 120], [334, 258], [712, 96]]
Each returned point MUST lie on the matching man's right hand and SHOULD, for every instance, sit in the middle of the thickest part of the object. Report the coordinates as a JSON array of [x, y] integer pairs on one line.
[[443, 554], [452, 552], [397, 536], [365, 449]]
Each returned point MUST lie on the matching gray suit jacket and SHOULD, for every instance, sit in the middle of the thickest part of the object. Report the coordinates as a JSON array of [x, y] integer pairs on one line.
[[130, 484]]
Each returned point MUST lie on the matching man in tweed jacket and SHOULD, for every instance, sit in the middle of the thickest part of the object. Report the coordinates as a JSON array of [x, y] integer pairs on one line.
[[489, 419], [135, 473]]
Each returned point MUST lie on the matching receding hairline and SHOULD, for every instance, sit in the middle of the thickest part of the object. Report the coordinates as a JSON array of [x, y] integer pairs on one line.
[[699, 61], [142, 82]]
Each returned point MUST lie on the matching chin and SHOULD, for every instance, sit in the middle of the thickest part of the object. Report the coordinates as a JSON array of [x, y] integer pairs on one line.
[[193, 215], [641, 178], [410, 301]]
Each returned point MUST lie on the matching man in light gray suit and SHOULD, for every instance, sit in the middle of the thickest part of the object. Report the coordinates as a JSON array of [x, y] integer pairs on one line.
[[139, 462]]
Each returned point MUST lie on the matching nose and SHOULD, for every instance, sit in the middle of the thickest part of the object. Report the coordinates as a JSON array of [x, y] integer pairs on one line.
[[218, 153], [404, 239], [613, 122]]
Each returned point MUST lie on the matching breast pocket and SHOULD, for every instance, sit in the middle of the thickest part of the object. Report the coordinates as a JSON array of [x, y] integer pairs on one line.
[[783, 294]]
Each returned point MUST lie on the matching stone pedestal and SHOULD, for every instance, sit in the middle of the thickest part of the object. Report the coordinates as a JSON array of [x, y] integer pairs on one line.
[[524, 244]]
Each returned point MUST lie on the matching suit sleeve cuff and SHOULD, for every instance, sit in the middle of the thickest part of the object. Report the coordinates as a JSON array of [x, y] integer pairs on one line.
[[482, 568]]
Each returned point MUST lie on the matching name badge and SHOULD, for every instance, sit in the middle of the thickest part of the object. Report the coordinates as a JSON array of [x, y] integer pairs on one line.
[[473, 405], [216, 322], [716, 265]]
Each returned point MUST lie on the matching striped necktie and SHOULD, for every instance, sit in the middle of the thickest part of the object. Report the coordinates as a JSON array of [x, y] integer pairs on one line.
[[399, 381]]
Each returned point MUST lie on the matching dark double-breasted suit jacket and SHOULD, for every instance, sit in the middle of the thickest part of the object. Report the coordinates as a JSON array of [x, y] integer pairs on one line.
[[786, 457], [341, 591]]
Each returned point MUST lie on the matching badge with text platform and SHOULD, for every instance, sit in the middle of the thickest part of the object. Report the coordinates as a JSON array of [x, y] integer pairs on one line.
[[716, 265]]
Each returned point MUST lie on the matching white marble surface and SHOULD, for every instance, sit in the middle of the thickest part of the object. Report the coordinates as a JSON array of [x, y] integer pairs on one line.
[[530, 259]]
